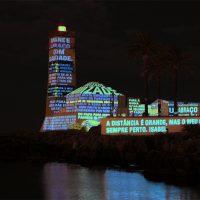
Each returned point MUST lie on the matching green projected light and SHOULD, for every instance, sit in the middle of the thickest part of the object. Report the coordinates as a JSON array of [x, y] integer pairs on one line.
[[91, 102], [147, 125], [90, 123], [137, 109], [95, 88], [62, 28]]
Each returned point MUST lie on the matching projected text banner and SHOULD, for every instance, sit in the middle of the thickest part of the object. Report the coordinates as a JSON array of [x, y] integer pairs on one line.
[[148, 125], [62, 72]]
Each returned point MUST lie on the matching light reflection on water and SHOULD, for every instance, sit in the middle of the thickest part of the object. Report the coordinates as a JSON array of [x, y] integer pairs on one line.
[[72, 182], [62, 181], [57, 181]]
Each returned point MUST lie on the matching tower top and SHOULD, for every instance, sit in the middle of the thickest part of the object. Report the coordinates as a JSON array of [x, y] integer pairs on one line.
[[62, 28]]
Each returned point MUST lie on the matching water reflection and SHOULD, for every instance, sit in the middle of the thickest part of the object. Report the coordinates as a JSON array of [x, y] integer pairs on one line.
[[72, 182], [123, 185], [56, 181]]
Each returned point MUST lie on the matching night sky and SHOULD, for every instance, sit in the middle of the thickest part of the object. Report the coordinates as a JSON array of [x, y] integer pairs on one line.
[[103, 33]]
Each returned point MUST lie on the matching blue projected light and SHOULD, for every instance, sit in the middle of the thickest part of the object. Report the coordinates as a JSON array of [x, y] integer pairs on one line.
[[167, 108], [61, 68], [184, 109], [61, 80], [92, 101], [60, 91], [58, 122]]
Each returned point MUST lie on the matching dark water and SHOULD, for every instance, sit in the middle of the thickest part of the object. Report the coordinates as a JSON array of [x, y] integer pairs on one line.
[[54, 181]]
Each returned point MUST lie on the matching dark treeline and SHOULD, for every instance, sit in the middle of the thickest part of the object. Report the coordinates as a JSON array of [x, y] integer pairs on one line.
[[158, 59], [170, 155]]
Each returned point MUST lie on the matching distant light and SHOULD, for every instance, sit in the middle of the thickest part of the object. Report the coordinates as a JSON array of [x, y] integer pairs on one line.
[[62, 28]]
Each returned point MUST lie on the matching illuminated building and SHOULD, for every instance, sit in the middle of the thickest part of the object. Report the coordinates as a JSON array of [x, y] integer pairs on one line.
[[137, 109], [92, 102], [67, 107], [184, 109], [61, 78]]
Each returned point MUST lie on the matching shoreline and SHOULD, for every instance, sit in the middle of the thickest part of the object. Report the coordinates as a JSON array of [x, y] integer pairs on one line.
[[155, 177], [162, 156]]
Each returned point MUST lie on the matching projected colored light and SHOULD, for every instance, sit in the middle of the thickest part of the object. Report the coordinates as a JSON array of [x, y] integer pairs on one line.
[[167, 108], [61, 79], [92, 101], [136, 109], [90, 123], [58, 122], [95, 88], [147, 125], [62, 28], [184, 109]]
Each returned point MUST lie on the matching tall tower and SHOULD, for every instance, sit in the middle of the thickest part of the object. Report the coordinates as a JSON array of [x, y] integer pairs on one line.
[[61, 75]]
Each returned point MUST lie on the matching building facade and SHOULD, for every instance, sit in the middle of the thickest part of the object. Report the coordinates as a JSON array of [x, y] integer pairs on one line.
[[91, 102], [61, 78], [137, 109]]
